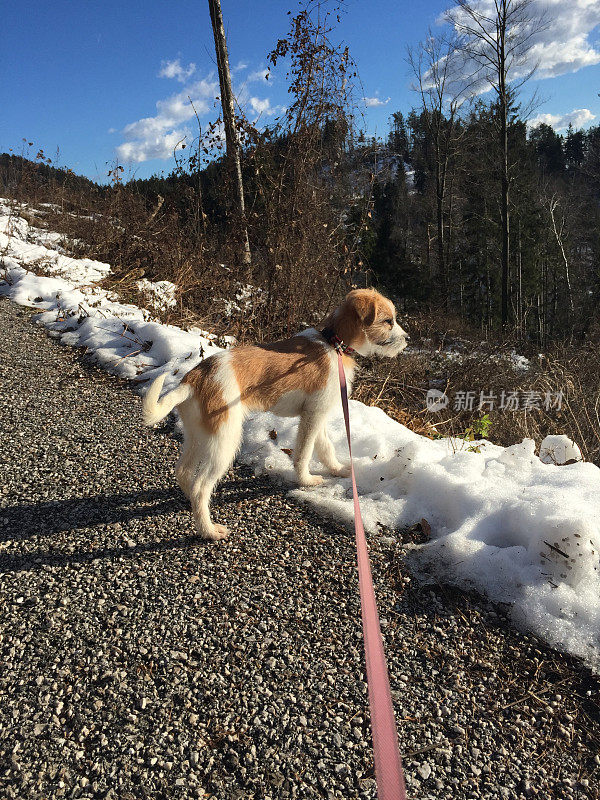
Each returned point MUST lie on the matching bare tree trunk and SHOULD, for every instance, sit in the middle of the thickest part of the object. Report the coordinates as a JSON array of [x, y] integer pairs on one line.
[[498, 37], [428, 260], [440, 189], [450, 236], [520, 287], [504, 213], [558, 235], [434, 68], [231, 137]]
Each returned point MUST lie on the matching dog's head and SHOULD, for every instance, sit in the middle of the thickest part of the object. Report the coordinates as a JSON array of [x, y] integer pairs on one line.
[[366, 321]]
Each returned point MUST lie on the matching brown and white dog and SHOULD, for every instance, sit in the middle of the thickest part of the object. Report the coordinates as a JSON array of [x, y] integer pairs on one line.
[[296, 377]]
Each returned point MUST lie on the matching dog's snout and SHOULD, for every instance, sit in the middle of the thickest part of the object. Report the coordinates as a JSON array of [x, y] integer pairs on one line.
[[406, 337]]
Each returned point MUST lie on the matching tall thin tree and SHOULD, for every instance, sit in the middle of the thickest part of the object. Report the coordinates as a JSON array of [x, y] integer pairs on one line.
[[497, 36], [231, 134], [443, 89]]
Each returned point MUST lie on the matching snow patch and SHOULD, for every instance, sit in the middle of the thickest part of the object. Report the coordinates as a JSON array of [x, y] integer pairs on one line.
[[161, 295], [30, 246], [559, 450]]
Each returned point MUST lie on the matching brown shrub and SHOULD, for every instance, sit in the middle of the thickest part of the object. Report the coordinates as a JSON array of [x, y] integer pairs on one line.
[[401, 388]]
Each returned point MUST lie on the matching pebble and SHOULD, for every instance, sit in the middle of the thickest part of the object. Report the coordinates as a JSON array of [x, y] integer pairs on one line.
[[424, 770], [245, 658]]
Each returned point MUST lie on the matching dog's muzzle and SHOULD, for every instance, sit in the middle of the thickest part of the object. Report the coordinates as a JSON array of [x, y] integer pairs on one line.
[[398, 340]]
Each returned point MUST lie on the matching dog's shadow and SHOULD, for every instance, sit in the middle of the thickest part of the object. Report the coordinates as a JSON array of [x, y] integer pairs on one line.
[[57, 516], [46, 520]]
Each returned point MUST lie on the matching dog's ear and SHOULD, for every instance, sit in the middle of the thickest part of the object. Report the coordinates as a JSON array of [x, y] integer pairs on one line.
[[364, 303]]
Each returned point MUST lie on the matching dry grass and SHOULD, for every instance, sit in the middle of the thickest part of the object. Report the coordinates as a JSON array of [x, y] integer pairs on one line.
[[400, 389], [155, 242]]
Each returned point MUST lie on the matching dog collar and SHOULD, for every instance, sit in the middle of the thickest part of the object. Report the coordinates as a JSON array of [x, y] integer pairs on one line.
[[334, 340]]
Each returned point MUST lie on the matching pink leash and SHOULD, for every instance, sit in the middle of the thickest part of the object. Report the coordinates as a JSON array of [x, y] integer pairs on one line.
[[388, 764]]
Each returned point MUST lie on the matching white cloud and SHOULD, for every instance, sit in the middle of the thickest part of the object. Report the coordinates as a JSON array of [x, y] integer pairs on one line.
[[375, 102], [155, 137], [243, 93], [160, 145], [173, 69], [260, 106], [577, 118], [261, 75], [264, 106], [565, 46], [562, 46]]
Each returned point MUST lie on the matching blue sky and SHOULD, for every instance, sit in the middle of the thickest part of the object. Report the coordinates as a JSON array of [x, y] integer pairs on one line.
[[87, 77]]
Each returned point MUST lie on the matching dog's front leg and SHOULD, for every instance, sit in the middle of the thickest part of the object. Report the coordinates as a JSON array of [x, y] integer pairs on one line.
[[327, 456], [308, 430]]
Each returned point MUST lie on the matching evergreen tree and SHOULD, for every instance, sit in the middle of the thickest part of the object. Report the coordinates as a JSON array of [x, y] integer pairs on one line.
[[574, 147], [549, 148], [390, 260], [398, 136]]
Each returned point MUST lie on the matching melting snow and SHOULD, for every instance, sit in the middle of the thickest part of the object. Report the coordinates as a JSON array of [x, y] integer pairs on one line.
[[559, 450], [161, 295]]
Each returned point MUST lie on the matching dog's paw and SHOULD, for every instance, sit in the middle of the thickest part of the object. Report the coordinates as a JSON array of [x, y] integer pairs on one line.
[[341, 472], [215, 533], [311, 480]]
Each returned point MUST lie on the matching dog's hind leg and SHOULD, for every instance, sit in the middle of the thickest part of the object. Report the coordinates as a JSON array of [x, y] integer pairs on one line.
[[185, 466], [185, 469], [212, 456]]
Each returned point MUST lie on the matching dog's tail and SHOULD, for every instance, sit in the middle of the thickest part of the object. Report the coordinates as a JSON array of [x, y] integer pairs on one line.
[[154, 409]]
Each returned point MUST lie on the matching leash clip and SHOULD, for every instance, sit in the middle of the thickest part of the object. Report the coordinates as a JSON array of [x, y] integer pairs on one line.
[[334, 340]]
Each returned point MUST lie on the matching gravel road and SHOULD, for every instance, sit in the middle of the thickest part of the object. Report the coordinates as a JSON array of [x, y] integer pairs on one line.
[[140, 662]]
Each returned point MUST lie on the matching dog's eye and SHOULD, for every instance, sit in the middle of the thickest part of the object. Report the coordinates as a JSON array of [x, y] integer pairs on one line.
[[389, 321]]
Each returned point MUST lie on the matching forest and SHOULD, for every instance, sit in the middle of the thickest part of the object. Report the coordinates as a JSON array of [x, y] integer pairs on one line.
[[453, 261]]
